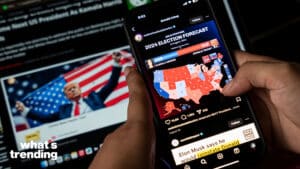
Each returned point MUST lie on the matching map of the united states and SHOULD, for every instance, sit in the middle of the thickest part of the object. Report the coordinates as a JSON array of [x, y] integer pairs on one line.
[[189, 82]]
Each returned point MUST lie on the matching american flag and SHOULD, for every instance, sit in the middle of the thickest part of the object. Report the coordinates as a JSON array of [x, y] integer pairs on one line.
[[91, 76]]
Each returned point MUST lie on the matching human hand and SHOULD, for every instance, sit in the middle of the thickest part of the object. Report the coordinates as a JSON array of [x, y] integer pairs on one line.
[[276, 87], [132, 145], [20, 106]]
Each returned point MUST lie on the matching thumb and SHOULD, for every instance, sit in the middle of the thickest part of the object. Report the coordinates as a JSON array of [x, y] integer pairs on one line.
[[254, 74], [139, 106]]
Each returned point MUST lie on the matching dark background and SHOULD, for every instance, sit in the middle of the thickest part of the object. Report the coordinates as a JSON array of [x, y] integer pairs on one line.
[[272, 27]]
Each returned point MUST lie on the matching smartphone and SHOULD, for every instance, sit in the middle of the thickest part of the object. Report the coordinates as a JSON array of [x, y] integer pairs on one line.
[[182, 54]]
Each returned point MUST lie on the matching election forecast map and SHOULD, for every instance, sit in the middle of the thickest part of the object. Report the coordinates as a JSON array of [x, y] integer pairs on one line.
[[189, 82]]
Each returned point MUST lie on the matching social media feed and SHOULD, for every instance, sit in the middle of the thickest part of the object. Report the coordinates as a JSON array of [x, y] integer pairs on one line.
[[187, 67]]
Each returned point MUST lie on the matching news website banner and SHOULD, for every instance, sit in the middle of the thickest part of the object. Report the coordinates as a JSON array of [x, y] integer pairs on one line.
[[61, 79]]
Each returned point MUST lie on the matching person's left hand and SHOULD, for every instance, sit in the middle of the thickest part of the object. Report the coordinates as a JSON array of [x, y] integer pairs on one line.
[[132, 145]]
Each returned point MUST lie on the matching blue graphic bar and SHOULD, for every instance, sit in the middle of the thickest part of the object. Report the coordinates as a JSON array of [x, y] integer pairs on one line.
[[165, 57]]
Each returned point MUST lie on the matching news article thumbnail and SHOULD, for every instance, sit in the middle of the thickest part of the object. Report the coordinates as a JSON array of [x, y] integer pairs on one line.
[[67, 90]]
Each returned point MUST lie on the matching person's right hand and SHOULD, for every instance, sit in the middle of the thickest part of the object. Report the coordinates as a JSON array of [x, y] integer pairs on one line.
[[20, 106], [276, 87]]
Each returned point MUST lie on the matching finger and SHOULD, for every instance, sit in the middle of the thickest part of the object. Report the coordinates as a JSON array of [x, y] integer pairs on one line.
[[254, 74], [139, 107], [244, 57]]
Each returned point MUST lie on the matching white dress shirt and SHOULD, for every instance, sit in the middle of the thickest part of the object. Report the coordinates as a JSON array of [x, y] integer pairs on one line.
[[83, 107]]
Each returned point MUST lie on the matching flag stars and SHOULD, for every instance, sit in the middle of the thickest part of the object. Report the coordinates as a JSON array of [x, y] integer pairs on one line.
[[35, 86], [20, 92], [25, 83], [11, 90]]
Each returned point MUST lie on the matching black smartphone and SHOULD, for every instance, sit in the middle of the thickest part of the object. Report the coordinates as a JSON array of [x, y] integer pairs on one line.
[[184, 59]]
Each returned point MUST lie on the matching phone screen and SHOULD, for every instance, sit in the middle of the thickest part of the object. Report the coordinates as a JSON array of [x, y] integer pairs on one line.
[[185, 62]]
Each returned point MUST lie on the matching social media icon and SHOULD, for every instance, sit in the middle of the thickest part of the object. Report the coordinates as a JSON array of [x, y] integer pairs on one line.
[[44, 164], [236, 150], [175, 142], [88, 150], [59, 160], [81, 153], [51, 162], [203, 161], [138, 37], [67, 157], [74, 155], [187, 167], [183, 117], [220, 156], [167, 122], [136, 3], [238, 99]]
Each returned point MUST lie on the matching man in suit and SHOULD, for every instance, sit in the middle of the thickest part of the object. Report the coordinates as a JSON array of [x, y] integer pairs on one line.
[[78, 105]]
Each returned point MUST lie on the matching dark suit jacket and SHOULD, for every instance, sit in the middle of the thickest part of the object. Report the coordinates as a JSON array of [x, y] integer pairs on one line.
[[95, 101]]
